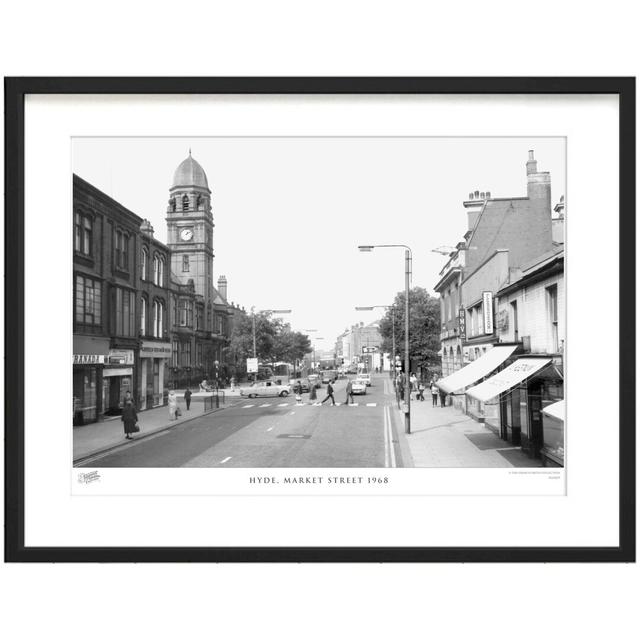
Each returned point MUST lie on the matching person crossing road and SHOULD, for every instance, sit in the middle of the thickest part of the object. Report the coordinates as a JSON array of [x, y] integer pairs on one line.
[[349, 398], [329, 395]]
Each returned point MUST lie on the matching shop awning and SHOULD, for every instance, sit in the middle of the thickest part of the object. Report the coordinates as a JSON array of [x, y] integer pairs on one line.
[[508, 378], [555, 410], [477, 369]]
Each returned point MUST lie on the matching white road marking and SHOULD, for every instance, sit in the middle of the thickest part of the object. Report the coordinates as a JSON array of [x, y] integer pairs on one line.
[[270, 429], [248, 406], [372, 404], [267, 404], [294, 435], [225, 460], [286, 404], [317, 404], [389, 450], [355, 404]]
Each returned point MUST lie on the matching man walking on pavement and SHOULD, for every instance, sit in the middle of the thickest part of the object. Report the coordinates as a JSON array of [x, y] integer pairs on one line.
[[434, 394], [349, 399], [329, 395]]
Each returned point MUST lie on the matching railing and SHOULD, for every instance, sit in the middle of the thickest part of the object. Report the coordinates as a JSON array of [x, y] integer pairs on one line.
[[214, 399]]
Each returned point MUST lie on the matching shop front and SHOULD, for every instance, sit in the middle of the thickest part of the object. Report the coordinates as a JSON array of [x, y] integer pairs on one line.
[[517, 396], [89, 357], [117, 379], [154, 357], [553, 419], [455, 384]]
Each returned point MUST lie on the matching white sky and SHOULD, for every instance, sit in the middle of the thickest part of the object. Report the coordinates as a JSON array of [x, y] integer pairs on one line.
[[290, 212]]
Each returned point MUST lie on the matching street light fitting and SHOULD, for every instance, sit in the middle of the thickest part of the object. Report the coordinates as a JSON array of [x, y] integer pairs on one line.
[[364, 308], [365, 247], [278, 310]]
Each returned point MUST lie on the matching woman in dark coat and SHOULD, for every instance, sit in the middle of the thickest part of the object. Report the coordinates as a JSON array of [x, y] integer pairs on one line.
[[130, 418]]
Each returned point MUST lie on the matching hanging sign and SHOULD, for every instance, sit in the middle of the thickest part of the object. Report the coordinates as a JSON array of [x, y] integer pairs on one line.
[[487, 311]]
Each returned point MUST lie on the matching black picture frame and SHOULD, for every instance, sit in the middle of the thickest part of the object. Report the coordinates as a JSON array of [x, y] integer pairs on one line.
[[15, 91]]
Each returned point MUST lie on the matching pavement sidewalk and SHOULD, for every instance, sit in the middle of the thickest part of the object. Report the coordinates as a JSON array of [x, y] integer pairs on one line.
[[446, 437], [102, 436]]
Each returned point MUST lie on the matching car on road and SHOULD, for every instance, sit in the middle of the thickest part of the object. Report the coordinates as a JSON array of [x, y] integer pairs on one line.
[[328, 376], [366, 377], [314, 379], [264, 389], [304, 384], [359, 387]]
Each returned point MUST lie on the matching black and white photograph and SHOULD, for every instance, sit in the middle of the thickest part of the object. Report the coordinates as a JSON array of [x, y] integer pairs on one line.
[[318, 302]]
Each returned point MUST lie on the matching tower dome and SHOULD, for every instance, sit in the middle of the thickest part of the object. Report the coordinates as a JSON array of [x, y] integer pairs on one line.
[[190, 174]]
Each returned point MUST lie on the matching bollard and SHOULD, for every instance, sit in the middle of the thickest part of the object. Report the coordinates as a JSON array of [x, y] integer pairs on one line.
[[298, 400]]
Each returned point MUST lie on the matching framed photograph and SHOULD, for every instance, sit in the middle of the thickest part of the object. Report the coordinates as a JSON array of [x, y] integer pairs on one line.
[[320, 319]]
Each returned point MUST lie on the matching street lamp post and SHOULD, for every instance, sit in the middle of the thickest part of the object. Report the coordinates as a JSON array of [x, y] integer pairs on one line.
[[407, 281]]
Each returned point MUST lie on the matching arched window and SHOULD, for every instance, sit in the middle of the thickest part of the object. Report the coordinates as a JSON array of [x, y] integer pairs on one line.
[[459, 355], [160, 282], [155, 269], [158, 319], [209, 318], [173, 204], [143, 316], [145, 263], [185, 202]]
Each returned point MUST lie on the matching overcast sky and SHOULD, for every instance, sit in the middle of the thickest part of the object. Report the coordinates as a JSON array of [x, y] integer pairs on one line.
[[289, 213]]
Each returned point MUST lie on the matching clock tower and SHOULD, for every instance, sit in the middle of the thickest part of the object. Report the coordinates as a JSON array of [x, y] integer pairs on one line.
[[190, 227]]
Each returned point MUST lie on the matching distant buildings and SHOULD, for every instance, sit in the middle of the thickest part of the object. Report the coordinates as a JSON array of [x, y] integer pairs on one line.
[[503, 286], [360, 344], [147, 317]]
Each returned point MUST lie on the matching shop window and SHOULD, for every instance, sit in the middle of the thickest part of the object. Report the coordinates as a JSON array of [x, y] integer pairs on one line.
[[83, 234], [514, 317], [88, 301]]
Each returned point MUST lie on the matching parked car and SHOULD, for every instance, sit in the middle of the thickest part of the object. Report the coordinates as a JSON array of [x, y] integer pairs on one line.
[[304, 384], [264, 389], [366, 377], [359, 387]]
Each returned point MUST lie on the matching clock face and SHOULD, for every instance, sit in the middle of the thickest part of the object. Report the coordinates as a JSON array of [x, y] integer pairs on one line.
[[186, 234]]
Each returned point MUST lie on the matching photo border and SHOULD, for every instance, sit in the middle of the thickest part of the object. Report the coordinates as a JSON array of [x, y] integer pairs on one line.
[[15, 91]]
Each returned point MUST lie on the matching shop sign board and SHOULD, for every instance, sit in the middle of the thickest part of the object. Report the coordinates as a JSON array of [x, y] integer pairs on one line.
[[121, 356], [252, 365], [88, 358], [462, 320], [155, 349], [487, 311]]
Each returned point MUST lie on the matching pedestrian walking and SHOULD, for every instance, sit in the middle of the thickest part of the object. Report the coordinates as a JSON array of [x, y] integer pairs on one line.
[[329, 395], [187, 398], [349, 399], [443, 398], [130, 419], [434, 395], [312, 391], [414, 382], [421, 388], [173, 405]]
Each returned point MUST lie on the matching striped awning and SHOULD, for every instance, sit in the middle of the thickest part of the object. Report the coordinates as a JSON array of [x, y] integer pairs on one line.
[[508, 378], [477, 369]]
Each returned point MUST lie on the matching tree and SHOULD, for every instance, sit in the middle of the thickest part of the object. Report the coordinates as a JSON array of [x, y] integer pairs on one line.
[[424, 328]]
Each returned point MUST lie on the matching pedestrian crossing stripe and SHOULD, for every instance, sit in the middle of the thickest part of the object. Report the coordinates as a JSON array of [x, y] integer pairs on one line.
[[248, 406], [268, 404], [353, 404], [286, 404], [304, 404], [371, 404]]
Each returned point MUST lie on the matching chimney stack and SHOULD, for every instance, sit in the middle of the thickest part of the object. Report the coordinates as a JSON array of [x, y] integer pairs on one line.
[[222, 287], [538, 183]]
